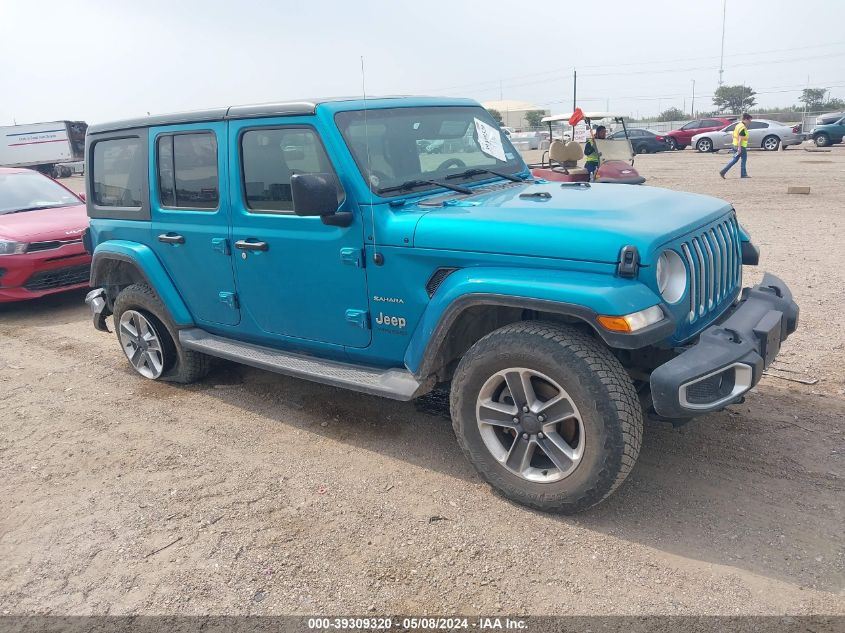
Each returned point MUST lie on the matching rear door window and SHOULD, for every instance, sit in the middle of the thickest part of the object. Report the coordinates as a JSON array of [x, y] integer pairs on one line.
[[757, 125], [711, 123], [118, 173], [187, 171], [692, 125]]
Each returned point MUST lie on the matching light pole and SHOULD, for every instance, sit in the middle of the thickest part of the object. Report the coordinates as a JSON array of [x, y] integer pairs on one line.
[[692, 105], [722, 58]]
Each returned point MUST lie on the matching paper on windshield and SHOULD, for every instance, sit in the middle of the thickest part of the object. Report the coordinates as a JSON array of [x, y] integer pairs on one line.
[[490, 140]]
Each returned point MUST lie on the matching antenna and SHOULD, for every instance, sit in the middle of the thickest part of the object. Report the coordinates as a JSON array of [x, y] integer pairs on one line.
[[376, 256]]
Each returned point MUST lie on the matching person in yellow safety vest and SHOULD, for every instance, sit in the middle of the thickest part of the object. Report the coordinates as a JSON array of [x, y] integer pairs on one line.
[[591, 152], [740, 143]]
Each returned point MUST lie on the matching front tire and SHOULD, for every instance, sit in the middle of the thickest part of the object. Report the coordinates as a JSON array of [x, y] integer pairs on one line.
[[150, 340], [672, 143], [547, 416], [821, 140]]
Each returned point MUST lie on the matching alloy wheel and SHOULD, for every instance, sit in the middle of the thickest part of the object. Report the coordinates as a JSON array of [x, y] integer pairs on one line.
[[530, 425], [771, 143], [141, 344]]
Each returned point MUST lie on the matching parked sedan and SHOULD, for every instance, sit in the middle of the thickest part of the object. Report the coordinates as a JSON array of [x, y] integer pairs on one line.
[[643, 141], [762, 133], [829, 133], [41, 227], [682, 137]]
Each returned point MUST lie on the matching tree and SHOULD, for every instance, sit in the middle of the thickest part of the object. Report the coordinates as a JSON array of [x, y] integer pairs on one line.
[[812, 98], [672, 114], [533, 118], [496, 115], [833, 104], [734, 99]]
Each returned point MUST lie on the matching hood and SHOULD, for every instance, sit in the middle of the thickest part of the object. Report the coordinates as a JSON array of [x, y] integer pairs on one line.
[[44, 225], [580, 223]]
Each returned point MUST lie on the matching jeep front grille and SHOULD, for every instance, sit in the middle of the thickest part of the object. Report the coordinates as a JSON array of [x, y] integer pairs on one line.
[[714, 266]]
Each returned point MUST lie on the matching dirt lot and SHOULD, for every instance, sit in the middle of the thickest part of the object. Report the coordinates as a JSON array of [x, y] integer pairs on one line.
[[253, 493]]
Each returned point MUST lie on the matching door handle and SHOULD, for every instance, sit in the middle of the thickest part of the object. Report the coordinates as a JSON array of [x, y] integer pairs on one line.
[[171, 238], [244, 245]]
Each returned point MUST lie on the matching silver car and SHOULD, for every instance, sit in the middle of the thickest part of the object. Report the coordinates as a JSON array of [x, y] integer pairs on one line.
[[762, 133]]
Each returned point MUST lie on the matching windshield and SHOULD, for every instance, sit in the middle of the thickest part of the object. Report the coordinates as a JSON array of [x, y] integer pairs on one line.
[[414, 146], [28, 191]]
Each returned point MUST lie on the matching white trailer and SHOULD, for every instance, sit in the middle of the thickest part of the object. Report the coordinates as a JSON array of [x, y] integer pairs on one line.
[[46, 147]]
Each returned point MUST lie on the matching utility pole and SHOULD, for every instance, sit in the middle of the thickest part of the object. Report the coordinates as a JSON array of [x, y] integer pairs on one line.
[[722, 58], [692, 105], [574, 100]]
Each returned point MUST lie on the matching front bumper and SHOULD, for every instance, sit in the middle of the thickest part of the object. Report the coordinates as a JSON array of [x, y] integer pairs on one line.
[[729, 357], [40, 273], [96, 300]]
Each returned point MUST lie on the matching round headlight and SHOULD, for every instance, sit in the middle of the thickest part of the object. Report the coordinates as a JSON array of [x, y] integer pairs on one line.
[[671, 276]]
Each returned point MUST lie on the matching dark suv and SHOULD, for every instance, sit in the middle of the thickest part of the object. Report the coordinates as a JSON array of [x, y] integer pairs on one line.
[[681, 138]]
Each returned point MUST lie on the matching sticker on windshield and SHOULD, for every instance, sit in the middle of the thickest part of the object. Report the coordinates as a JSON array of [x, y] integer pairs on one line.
[[490, 140]]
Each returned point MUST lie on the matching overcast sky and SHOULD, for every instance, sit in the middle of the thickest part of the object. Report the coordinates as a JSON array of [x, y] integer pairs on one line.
[[97, 60]]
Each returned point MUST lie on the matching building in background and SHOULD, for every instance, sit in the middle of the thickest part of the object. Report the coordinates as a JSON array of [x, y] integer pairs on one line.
[[513, 112]]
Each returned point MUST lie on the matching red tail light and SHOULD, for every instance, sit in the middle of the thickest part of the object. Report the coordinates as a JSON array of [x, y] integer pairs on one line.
[[795, 129], [660, 138]]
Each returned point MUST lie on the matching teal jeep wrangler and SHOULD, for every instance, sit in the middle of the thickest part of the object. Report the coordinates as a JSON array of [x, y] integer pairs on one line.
[[323, 240]]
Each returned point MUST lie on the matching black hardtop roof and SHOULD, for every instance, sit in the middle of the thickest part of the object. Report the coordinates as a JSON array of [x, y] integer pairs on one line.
[[281, 108]]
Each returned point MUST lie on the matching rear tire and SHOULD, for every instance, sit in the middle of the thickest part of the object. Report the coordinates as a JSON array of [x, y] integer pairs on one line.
[[141, 304], [771, 143], [704, 145], [595, 421], [643, 149]]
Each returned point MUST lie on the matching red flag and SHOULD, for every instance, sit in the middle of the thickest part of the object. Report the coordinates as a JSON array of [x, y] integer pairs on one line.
[[578, 115]]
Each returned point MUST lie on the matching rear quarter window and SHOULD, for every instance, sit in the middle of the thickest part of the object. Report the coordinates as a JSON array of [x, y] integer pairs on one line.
[[118, 176]]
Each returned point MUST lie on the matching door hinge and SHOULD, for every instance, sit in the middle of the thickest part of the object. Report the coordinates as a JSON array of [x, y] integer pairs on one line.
[[229, 298], [352, 256], [359, 318], [220, 245]]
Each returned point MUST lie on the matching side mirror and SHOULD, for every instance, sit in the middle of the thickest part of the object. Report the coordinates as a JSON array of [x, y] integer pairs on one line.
[[316, 195], [81, 196]]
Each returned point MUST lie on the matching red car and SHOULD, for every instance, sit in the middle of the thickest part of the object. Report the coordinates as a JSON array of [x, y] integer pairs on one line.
[[680, 138], [41, 227]]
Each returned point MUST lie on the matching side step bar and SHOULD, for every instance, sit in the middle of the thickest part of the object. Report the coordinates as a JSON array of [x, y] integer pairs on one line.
[[397, 384]]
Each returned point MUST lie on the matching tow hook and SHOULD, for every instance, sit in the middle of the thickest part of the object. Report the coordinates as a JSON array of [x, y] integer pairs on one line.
[[96, 300]]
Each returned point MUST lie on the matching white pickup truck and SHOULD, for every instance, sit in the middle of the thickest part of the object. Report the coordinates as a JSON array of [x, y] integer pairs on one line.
[[50, 147]]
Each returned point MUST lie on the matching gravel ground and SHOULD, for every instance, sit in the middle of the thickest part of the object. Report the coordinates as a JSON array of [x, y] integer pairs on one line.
[[252, 493]]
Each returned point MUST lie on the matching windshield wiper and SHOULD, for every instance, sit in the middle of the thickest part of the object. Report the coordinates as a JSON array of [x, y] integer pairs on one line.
[[49, 206], [477, 171], [410, 184]]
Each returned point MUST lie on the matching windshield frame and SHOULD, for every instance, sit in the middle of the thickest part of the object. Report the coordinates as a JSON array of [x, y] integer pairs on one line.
[[515, 166], [75, 200]]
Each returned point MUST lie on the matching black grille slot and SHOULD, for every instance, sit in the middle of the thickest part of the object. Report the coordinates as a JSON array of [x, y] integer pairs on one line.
[[436, 279], [47, 246], [59, 278], [711, 389]]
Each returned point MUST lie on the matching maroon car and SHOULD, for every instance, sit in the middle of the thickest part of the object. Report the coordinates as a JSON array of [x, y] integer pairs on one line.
[[41, 227], [681, 138]]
